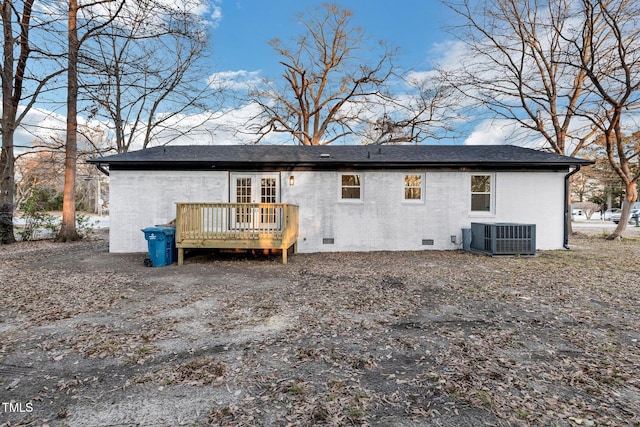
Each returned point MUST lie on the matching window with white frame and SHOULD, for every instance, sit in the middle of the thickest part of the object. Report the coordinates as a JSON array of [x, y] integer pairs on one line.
[[481, 190], [413, 187], [351, 187]]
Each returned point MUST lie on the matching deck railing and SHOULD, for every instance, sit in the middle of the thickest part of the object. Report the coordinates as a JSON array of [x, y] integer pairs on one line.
[[236, 225]]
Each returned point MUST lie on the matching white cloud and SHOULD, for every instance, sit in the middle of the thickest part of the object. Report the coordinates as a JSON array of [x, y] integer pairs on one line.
[[196, 7], [216, 14], [240, 80], [449, 54], [231, 126], [416, 79], [503, 131], [44, 127], [209, 11], [39, 125], [490, 132]]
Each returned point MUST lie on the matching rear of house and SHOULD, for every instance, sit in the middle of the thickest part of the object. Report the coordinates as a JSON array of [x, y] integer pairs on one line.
[[348, 198]]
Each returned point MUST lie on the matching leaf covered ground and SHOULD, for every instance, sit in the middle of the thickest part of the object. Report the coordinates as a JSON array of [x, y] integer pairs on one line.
[[429, 338]]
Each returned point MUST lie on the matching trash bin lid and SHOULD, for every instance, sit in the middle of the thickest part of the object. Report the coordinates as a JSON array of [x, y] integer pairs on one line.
[[166, 230]]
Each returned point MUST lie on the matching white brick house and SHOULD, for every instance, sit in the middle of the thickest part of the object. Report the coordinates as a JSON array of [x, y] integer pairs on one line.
[[350, 198]]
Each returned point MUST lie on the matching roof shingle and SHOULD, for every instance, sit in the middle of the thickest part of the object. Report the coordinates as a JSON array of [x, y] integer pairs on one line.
[[335, 157]]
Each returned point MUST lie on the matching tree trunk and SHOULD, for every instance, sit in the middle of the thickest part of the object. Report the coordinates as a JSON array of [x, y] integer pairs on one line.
[[68, 230], [7, 157], [632, 196], [570, 211], [7, 186]]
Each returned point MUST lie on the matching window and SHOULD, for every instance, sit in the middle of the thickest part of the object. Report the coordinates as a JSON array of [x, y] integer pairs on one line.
[[350, 186], [481, 193], [413, 187]]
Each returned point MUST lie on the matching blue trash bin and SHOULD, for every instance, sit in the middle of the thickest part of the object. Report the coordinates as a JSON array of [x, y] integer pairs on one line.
[[161, 243]]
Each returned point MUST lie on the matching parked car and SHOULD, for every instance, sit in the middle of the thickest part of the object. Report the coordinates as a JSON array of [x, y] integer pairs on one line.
[[609, 212], [635, 213]]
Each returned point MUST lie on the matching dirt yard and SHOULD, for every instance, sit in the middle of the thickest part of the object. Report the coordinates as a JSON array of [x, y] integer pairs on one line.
[[431, 338]]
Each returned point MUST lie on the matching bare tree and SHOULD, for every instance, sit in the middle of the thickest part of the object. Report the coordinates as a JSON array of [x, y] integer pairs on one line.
[[327, 86], [90, 27], [17, 25], [599, 180], [563, 70], [427, 110], [36, 170], [612, 64], [518, 67], [567, 71], [147, 58], [43, 166]]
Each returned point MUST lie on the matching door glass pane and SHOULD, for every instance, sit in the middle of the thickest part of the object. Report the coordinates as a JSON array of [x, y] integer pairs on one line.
[[243, 195], [268, 190], [268, 195]]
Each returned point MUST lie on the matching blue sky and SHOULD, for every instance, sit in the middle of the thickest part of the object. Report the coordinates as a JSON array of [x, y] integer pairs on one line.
[[240, 41], [240, 54], [242, 29]]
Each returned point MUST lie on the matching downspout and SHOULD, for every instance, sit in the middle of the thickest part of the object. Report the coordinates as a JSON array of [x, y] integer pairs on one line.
[[567, 206], [102, 169]]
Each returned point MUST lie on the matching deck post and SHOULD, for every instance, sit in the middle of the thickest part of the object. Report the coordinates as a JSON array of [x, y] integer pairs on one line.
[[180, 256], [284, 255]]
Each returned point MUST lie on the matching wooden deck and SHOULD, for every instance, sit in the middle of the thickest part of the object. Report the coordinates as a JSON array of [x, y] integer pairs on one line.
[[236, 226]]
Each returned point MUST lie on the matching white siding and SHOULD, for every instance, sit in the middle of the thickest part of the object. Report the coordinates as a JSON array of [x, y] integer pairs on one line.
[[381, 220], [139, 199], [533, 198]]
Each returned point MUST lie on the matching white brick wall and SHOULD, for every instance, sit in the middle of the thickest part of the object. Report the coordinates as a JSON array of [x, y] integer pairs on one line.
[[146, 198], [382, 220]]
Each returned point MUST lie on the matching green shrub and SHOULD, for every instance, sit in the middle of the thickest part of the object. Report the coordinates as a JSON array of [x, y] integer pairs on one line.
[[35, 213], [36, 218], [84, 226], [43, 199]]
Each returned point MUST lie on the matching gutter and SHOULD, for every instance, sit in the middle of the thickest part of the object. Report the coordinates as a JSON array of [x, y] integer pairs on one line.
[[567, 206], [324, 166]]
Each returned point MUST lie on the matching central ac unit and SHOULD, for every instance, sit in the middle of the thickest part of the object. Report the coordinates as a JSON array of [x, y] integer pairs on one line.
[[504, 238]]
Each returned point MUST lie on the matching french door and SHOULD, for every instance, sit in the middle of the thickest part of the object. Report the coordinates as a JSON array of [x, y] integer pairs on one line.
[[255, 188]]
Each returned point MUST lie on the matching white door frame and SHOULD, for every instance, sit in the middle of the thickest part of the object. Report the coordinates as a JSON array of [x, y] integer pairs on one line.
[[254, 187]]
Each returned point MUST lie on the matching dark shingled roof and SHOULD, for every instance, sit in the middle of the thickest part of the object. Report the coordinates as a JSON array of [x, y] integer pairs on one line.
[[289, 157]]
